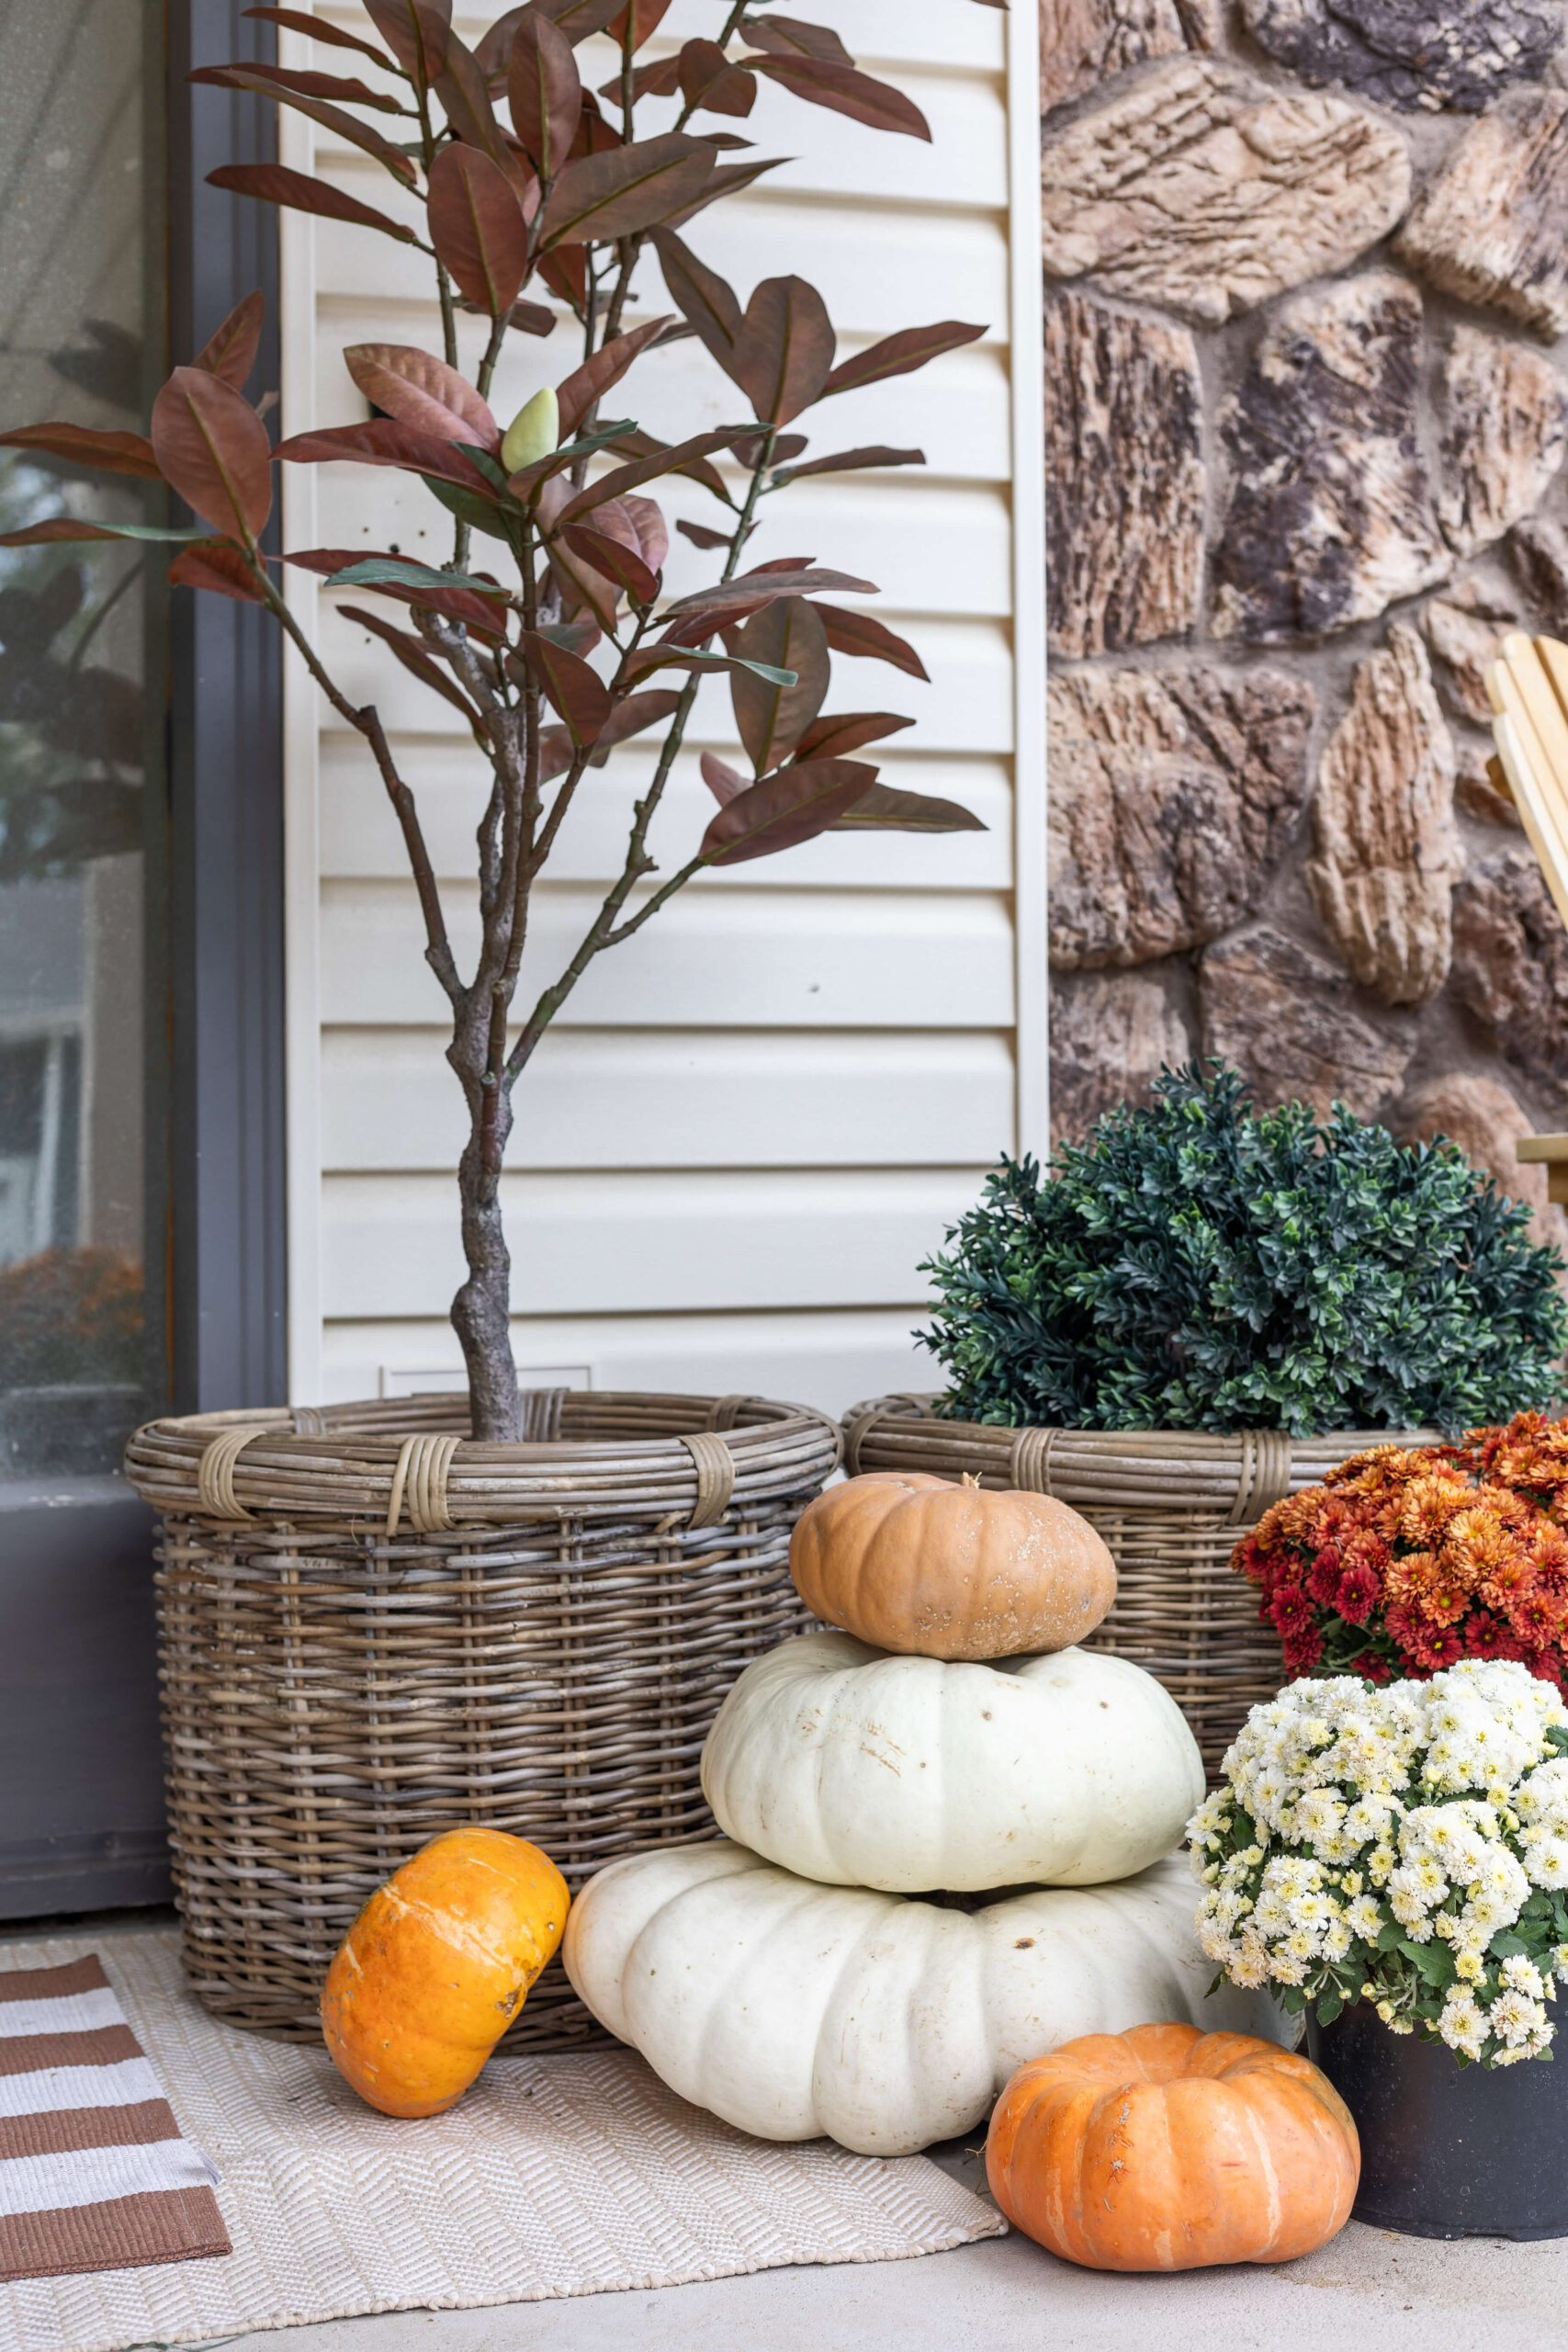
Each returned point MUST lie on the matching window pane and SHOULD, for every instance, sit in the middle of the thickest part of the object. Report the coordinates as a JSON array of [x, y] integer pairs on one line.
[[79, 182]]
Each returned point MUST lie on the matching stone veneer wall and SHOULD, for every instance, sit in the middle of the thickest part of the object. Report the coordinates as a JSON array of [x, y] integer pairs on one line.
[[1307, 278]]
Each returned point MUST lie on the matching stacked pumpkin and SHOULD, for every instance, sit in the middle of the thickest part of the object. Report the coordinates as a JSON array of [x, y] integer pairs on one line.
[[952, 1836]]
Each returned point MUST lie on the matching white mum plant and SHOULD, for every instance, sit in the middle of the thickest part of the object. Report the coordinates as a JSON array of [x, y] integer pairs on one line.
[[1406, 1846]]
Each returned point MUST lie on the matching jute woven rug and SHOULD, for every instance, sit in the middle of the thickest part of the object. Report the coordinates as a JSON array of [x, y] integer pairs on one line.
[[553, 2176]]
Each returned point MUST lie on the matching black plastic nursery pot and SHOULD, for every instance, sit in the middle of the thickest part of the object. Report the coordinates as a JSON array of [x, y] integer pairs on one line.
[[1449, 2151]]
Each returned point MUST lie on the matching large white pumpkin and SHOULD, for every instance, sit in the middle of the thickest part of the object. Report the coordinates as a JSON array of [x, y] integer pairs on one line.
[[915, 1775], [793, 2009]]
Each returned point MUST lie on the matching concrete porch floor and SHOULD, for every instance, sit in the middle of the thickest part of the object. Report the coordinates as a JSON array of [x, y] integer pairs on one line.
[[1368, 2292]]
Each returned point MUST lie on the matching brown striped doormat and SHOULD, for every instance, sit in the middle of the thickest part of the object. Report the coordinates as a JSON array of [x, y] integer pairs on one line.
[[95, 2173]]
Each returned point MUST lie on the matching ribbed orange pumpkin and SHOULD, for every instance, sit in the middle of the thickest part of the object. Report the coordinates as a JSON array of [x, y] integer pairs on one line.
[[1168, 2149], [438, 1964], [929, 1569]]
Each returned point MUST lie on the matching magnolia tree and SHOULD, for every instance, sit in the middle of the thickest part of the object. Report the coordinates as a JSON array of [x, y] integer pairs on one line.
[[513, 177]]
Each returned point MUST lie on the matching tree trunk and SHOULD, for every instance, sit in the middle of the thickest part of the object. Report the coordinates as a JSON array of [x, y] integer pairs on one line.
[[481, 1312]]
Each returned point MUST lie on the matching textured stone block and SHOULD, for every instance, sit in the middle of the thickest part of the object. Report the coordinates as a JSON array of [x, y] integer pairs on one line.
[[1330, 516], [1205, 192], [1083, 41], [1386, 851], [1464, 627], [1124, 479], [1174, 795], [1289, 1021], [1510, 966], [1410, 53], [1538, 552], [1504, 435], [1487, 1123], [1493, 226], [1112, 1034]]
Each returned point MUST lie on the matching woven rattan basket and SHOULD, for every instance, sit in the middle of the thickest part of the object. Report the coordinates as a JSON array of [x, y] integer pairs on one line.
[[1170, 1504], [373, 1628]]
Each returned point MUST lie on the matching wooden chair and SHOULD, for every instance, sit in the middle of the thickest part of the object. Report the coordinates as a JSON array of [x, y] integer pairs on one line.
[[1529, 687]]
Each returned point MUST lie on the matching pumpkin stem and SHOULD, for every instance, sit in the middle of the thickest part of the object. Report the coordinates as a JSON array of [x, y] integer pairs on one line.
[[970, 1478]]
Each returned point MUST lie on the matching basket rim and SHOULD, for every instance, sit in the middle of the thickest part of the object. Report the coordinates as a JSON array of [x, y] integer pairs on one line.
[[352, 1460]]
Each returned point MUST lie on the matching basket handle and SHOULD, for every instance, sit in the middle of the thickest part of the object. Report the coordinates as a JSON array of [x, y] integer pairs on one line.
[[419, 1477], [716, 1477], [1265, 1474], [215, 1473]]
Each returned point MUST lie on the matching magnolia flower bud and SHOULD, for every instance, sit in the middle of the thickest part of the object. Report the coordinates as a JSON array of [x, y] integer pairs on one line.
[[534, 432]]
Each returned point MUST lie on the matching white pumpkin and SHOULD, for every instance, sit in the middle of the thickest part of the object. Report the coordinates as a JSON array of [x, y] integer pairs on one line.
[[912, 1774], [793, 2009]]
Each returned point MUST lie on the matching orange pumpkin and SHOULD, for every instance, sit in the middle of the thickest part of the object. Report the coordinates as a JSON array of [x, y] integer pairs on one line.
[[1168, 2149], [438, 1964], [929, 1569]]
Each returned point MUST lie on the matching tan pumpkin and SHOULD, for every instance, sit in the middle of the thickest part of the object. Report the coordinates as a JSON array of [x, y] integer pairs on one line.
[[438, 1964], [1168, 2149], [928, 1570]]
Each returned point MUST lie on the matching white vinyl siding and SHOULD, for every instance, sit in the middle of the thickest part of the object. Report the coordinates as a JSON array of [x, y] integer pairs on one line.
[[750, 1123]]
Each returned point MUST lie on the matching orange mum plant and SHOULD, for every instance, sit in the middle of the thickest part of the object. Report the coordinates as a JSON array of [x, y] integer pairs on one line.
[[1407, 1560]]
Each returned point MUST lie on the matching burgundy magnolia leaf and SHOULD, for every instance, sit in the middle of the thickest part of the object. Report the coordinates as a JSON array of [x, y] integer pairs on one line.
[[643, 445], [790, 805], [531, 318], [464, 94], [659, 80], [416, 31], [277, 184], [787, 635], [783, 37], [578, 693], [330, 34], [545, 91], [410, 652], [613, 561], [844, 90], [708, 79], [883, 809], [728, 179], [704, 299], [754, 449], [662, 462], [857, 633], [384, 441], [614, 195], [212, 448], [898, 355], [421, 390], [218, 565], [649, 528], [493, 47], [230, 353], [630, 716], [108, 453], [578, 18], [65, 527], [341, 89], [331, 118], [785, 350], [765, 584], [587, 385], [477, 227], [556, 754], [834, 737], [641, 18], [565, 272], [578, 637], [465, 604], [724, 782], [847, 461], [700, 537]]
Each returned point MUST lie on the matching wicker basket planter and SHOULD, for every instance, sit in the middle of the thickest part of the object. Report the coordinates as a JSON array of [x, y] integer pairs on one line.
[[1170, 1504], [373, 1628]]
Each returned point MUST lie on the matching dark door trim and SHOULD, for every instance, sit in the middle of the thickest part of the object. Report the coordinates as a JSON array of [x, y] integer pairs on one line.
[[224, 922]]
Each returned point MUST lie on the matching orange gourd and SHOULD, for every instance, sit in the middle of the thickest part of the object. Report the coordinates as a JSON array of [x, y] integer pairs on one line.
[[438, 1964], [1168, 2149], [928, 1570]]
